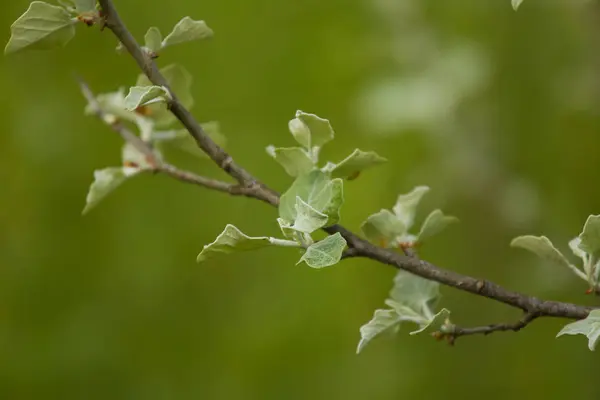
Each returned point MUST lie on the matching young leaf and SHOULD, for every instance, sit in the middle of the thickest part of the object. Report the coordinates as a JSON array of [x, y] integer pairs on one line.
[[590, 237], [434, 324], [589, 327], [355, 163], [310, 130], [180, 83], [324, 253], [435, 222], [543, 248], [105, 181], [113, 104], [43, 26], [308, 219], [383, 228], [232, 240], [144, 95], [318, 191], [383, 320], [181, 138], [131, 156], [415, 293], [406, 205], [153, 39], [295, 160], [515, 4], [574, 245], [85, 6], [187, 30]]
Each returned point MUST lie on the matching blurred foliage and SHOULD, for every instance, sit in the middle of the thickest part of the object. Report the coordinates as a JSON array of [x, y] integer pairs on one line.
[[497, 111]]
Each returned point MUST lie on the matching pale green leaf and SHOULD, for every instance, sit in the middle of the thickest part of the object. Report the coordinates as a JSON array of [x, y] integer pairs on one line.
[[43, 26], [574, 245], [310, 130], [435, 222], [85, 6], [105, 181], [324, 253], [113, 104], [232, 240], [589, 327], [515, 4], [355, 163], [406, 205], [383, 228], [590, 237], [144, 95], [182, 140], [308, 219], [415, 293], [318, 191], [187, 30], [383, 320], [543, 248], [153, 39], [131, 156], [295, 160], [434, 324], [180, 83]]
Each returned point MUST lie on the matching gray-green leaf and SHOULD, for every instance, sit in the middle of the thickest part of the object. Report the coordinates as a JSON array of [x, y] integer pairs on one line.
[[434, 324], [295, 160], [318, 191], [589, 327], [324, 253], [187, 30], [105, 181], [383, 228], [515, 4], [144, 95], [358, 161], [435, 222], [43, 26], [85, 6], [153, 39], [232, 240], [383, 320], [406, 205], [311, 130], [308, 219], [543, 248], [415, 293], [590, 237]]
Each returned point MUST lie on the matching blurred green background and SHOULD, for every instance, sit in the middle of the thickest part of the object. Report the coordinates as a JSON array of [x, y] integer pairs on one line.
[[497, 111]]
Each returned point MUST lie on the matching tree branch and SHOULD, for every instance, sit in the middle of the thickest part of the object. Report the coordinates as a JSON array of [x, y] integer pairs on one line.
[[358, 247]]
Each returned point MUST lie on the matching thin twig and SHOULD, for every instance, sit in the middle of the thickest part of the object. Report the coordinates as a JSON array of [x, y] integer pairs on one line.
[[454, 332], [358, 246]]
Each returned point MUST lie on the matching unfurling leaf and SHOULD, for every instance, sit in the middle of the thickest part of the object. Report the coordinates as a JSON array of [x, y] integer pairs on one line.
[[435, 324], [153, 39], [543, 248], [383, 228], [355, 163], [317, 190], [590, 237], [589, 327], [324, 253], [187, 30], [144, 95], [435, 222], [180, 82], [310, 130], [105, 181], [308, 219], [406, 205], [232, 240], [295, 160], [43, 26], [383, 320]]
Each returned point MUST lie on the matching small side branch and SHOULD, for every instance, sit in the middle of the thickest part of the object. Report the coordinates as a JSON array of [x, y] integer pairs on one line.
[[454, 332]]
